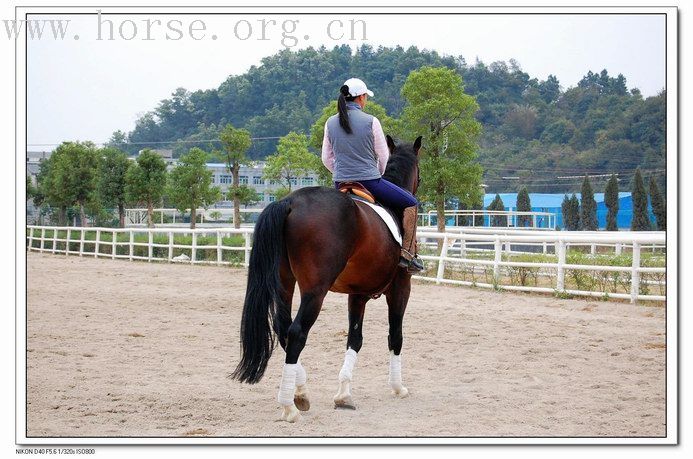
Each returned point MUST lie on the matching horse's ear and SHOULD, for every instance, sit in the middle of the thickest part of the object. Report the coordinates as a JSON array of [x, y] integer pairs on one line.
[[390, 144], [417, 145]]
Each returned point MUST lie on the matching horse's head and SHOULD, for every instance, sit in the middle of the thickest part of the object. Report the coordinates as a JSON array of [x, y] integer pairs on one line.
[[403, 166]]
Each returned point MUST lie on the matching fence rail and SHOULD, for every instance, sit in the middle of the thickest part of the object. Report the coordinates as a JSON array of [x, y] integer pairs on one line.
[[449, 254], [78, 241], [449, 258]]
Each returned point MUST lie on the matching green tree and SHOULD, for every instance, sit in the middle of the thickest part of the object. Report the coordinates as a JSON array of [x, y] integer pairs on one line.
[[497, 205], [281, 192], [588, 207], [575, 213], [439, 110], [31, 190], [570, 208], [235, 143], [659, 207], [524, 205], [73, 175], [612, 204], [113, 167], [190, 184], [246, 195], [565, 213], [641, 220], [145, 181], [291, 161]]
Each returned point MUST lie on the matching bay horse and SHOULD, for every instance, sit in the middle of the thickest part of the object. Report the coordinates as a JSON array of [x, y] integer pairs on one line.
[[325, 241]]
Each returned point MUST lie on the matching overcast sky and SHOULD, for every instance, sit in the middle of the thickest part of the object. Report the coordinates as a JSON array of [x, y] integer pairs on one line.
[[84, 89]]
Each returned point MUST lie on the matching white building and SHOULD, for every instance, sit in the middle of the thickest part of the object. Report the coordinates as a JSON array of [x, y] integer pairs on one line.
[[252, 176]]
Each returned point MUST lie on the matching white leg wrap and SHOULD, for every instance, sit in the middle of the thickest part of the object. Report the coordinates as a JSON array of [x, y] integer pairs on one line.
[[395, 371], [345, 374], [288, 384], [300, 374]]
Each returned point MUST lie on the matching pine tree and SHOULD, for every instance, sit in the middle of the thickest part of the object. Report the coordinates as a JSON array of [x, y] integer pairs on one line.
[[611, 200], [565, 212], [497, 204], [574, 213], [588, 207], [659, 207], [641, 221], [523, 205]]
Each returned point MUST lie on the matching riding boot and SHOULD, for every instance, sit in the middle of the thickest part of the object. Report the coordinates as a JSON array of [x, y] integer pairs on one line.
[[409, 258]]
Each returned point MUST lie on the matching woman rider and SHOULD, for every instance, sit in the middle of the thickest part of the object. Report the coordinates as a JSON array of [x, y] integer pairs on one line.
[[354, 149]]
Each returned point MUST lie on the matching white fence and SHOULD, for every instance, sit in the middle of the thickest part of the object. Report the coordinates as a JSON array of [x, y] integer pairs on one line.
[[545, 221], [457, 248], [91, 241]]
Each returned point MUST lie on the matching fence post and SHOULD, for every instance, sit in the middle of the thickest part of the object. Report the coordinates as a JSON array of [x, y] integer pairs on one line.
[[246, 236], [560, 271], [463, 248], [170, 246], [193, 252], [619, 248], [43, 235], [96, 243], [67, 241], [635, 275], [593, 249], [150, 245], [31, 237], [114, 240], [132, 244], [544, 247], [55, 240], [81, 242], [441, 261], [219, 247], [496, 260]]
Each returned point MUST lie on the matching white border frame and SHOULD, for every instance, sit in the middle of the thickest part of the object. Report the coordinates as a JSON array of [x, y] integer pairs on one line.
[[672, 234]]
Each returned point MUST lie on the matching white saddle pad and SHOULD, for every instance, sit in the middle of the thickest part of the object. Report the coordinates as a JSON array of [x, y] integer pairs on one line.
[[387, 218]]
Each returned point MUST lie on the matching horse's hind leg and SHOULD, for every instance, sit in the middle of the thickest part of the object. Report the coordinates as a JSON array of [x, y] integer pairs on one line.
[[357, 305], [311, 303], [282, 322]]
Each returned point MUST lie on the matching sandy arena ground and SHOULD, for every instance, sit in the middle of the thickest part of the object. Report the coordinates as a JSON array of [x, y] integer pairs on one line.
[[118, 348]]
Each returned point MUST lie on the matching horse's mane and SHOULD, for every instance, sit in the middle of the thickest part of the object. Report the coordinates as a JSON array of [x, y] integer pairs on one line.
[[401, 165]]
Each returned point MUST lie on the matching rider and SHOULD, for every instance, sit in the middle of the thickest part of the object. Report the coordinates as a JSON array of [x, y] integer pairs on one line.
[[354, 149]]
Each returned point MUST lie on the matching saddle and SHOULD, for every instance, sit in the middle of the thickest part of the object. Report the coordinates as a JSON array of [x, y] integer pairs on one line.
[[357, 189]]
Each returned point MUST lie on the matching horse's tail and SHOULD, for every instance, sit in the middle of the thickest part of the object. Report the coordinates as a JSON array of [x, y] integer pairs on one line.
[[263, 293]]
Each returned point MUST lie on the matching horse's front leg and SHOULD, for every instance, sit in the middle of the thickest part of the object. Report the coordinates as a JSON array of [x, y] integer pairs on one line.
[[357, 305], [397, 299]]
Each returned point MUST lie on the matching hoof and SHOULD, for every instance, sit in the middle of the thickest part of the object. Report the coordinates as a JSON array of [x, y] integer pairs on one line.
[[302, 402], [346, 403], [290, 414], [401, 392]]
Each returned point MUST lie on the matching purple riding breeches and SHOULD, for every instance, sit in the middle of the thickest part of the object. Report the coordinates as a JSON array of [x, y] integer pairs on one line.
[[387, 193]]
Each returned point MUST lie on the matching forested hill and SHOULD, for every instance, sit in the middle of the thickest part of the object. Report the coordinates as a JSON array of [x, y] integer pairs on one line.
[[534, 131]]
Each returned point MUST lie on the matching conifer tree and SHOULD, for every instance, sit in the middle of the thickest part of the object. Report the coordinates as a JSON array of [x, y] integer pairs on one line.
[[641, 221], [659, 207], [523, 205], [574, 213], [611, 200], [588, 207]]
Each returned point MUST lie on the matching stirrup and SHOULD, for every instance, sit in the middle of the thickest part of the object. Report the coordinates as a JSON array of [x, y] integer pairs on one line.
[[413, 265]]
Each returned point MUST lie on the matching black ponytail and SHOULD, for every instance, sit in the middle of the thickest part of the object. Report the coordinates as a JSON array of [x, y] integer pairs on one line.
[[344, 97]]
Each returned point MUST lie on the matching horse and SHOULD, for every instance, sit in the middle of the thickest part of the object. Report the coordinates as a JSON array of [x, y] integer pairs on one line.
[[325, 241]]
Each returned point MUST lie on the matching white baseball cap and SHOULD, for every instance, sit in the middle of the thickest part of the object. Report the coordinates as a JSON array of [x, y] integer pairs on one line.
[[357, 87]]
